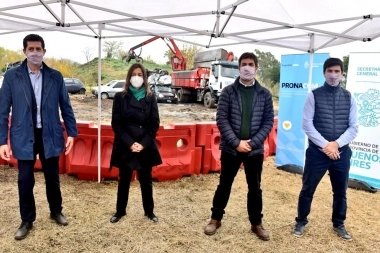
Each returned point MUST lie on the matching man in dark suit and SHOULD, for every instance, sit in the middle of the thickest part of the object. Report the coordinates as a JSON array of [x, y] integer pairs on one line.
[[35, 93], [244, 118]]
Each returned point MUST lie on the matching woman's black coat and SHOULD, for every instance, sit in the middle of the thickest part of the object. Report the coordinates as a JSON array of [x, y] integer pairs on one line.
[[135, 121]]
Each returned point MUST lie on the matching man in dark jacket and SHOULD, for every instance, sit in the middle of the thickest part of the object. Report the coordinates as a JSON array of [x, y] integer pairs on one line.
[[35, 93], [330, 122], [244, 118]]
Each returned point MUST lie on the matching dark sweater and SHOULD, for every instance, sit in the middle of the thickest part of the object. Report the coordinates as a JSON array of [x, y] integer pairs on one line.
[[246, 94]]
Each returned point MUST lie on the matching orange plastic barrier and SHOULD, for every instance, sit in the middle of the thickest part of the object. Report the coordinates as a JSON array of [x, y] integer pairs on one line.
[[83, 160], [272, 138], [178, 153]]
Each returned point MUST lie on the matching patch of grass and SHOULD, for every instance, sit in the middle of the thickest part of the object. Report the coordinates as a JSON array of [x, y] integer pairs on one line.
[[111, 69]]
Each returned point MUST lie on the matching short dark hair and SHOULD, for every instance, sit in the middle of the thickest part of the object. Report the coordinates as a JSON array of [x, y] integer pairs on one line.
[[248, 55], [332, 62], [33, 37]]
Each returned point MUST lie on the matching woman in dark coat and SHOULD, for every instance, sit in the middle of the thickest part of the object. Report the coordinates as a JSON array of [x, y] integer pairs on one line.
[[135, 122]]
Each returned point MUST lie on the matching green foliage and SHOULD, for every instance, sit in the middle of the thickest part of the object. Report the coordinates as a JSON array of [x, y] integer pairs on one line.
[[346, 60], [9, 56], [269, 70]]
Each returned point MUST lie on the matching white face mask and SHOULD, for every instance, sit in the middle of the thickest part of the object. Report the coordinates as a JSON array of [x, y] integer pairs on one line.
[[137, 81], [35, 57], [247, 73], [333, 79]]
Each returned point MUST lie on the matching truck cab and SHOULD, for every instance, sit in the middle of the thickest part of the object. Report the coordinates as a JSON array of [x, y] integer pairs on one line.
[[223, 73]]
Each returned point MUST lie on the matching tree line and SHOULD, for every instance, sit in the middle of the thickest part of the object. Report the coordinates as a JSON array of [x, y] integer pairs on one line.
[[268, 73]]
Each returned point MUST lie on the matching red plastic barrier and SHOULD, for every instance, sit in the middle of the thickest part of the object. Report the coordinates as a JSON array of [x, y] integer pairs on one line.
[[196, 164], [177, 149], [211, 155], [204, 132], [83, 160], [272, 138], [106, 130], [197, 158], [266, 149]]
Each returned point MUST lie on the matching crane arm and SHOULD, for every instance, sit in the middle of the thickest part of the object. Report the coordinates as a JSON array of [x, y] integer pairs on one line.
[[178, 61], [131, 53]]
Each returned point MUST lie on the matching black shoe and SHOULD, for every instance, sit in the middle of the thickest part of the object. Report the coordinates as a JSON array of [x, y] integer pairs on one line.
[[116, 217], [298, 230], [23, 230], [59, 219], [342, 232], [152, 217]]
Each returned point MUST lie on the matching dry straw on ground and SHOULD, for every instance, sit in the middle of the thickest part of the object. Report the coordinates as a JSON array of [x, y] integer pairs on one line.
[[183, 207]]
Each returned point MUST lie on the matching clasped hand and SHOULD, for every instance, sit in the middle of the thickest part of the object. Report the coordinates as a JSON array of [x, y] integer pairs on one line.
[[136, 147], [331, 150], [244, 146]]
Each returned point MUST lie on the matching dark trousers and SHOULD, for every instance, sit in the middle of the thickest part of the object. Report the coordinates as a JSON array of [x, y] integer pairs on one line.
[[26, 182], [145, 178], [253, 166], [316, 165]]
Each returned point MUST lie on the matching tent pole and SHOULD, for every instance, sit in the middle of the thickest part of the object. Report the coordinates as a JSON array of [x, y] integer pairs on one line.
[[63, 5], [100, 27], [217, 18], [311, 63]]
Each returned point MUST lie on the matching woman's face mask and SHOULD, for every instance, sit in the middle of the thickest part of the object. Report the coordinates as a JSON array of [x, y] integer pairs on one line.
[[137, 81]]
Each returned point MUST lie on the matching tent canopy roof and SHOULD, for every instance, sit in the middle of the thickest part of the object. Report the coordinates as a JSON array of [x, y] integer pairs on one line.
[[215, 23]]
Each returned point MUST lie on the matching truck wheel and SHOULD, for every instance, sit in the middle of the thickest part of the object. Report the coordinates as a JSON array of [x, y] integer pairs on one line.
[[208, 100], [181, 97]]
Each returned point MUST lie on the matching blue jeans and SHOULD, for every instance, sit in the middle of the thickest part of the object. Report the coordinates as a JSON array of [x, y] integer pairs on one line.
[[316, 165]]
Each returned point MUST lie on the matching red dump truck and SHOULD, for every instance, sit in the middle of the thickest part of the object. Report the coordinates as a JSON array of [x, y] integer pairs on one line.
[[213, 70]]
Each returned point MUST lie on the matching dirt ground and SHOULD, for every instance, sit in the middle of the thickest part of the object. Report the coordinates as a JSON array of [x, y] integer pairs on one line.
[[86, 108], [183, 207]]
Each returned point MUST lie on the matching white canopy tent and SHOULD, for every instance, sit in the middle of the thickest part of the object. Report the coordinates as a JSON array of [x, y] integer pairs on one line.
[[304, 25]]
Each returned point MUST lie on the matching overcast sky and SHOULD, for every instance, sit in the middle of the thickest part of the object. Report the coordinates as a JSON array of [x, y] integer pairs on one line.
[[63, 45]]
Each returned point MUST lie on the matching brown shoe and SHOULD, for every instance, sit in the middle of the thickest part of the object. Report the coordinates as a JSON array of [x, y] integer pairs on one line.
[[212, 226], [260, 232]]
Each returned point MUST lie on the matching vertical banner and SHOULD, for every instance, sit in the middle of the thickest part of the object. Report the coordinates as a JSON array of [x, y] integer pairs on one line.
[[294, 86], [363, 81]]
